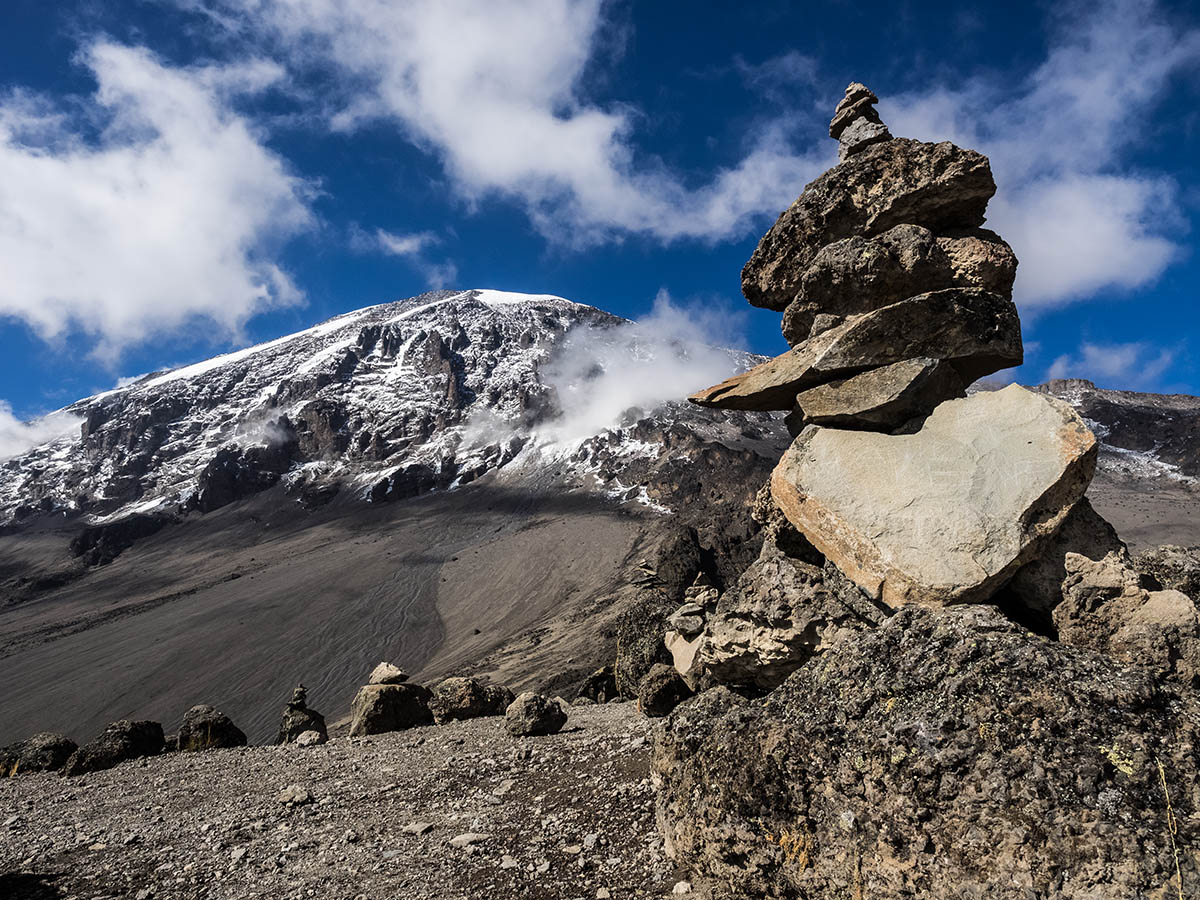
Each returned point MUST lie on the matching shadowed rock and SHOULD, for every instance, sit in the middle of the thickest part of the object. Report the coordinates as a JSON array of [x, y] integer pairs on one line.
[[468, 698], [976, 331], [947, 514], [44, 752], [206, 728], [120, 741], [298, 719], [661, 691], [880, 399], [938, 186], [532, 714], [380, 708]]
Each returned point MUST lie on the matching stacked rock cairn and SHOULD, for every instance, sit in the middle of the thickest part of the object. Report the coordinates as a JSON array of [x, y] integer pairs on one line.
[[894, 302]]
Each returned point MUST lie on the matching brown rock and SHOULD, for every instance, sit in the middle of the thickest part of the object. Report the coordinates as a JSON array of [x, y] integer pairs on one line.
[[380, 708], [948, 514], [661, 691], [978, 332], [939, 186], [881, 399], [468, 698]]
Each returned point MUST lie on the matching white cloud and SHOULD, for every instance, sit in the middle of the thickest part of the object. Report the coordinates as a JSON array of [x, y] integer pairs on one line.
[[403, 244], [494, 89], [1124, 366], [17, 436], [1079, 218], [410, 247], [166, 218]]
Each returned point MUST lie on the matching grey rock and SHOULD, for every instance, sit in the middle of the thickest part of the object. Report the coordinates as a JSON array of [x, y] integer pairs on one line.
[[661, 691], [206, 728], [860, 134], [946, 515], [120, 741], [43, 752], [897, 761], [298, 719], [688, 620], [468, 698], [310, 739], [386, 673], [380, 708], [1176, 568], [938, 186], [858, 103], [976, 331], [294, 795], [881, 399], [532, 714]]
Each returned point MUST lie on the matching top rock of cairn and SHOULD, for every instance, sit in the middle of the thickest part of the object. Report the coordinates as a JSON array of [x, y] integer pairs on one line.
[[855, 123]]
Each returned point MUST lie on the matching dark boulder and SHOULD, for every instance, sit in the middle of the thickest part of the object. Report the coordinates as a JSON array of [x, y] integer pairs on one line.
[[599, 687], [661, 691], [298, 719], [98, 545], [1176, 568], [235, 472], [120, 741], [44, 752], [206, 728], [380, 708], [534, 715], [468, 698], [947, 753]]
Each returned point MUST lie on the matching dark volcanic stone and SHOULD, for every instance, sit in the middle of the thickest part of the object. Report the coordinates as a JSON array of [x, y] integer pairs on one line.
[[99, 545], [534, 715], [938, 186], [600, 686], [945, 754], [206, 728], [468, 698], [297, 720], [379, 708], [120, 741], [44, 752], [1177, 568], [661, 691]]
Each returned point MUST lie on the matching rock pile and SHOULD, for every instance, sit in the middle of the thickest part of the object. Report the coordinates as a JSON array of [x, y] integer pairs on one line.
[[894, 728], [298, 720]]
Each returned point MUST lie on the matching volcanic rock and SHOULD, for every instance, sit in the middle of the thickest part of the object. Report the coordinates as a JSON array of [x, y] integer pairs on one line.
[[977, 331], [859, 102], [947, 514], [780, 613], [860, 134], [299, 720], [532, 714], [938, 186], [1177, 568], [206, 728], [468, 698], [600, 686], [944, 754], [860, 274], [386, 673], [120, 741], [661, 691], [44, 752], [379, 708], [880, 399]]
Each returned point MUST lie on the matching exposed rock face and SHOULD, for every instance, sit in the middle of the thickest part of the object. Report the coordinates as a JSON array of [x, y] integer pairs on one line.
[[101, 544], [1177, 568], [780, 613], [661, 691], [299, 720], [600, 686], [206, 728], [386, 673], [896, 182], [880, 399], [44, 752], [976, 331], [947, 753], [468, 698], [533, 715], [120, 741], [379, 708], [947, 514]]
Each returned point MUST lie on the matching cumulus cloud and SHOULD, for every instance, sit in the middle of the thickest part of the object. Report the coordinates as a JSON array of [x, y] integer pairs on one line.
[[146, 207], [1126, 366], [17, 436], [1078, 216], [494, 89], [599, 374]]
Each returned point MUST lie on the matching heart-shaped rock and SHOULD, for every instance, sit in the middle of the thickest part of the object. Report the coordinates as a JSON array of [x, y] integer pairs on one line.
[[945, 515]]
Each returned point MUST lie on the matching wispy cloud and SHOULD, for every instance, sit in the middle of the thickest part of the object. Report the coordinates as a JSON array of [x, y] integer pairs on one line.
[[410, 247], [168, 217], [1132, 366]]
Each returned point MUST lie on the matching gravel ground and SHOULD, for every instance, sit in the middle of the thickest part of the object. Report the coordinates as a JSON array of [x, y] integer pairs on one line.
[[571, 815]]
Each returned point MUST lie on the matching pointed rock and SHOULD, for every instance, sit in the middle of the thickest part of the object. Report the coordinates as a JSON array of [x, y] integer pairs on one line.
[[945, 515], [977, 331]]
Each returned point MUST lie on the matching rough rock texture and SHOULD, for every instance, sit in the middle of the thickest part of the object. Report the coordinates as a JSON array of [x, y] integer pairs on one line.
[[880, 399], [468, 698], [661, 691], [947, 753], [947, 514], [206, 728], [1106, 608], [858, 103], [532, 714], [859, 135], [44, 752], [298, 719], [386, 673], [379, 708], [900, 181], [977, 331], [779, 614], [120, 741], [600, 686], [1177, 568], [859, 274], [640, 640]]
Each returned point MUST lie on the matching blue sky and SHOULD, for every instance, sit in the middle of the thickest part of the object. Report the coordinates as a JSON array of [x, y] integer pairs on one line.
[[184, 176]]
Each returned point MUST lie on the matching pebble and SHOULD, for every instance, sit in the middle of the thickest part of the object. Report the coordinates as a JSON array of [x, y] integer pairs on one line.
[[507, 862], [468, 839], [295, 795], [420, 828], [682, 887]]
